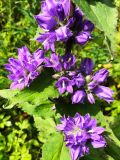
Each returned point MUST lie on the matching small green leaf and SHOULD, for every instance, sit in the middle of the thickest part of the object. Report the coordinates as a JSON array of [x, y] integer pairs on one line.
[[45, 127], [55, 149]]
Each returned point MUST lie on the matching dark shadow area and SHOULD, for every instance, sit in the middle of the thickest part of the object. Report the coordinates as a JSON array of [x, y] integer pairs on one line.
[[109, 3], [67, 108]]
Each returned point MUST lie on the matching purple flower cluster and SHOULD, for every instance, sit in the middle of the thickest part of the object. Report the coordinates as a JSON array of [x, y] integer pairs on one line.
[[82, 83], [61, 20], [24, 69], [79, 132], [66, 62]]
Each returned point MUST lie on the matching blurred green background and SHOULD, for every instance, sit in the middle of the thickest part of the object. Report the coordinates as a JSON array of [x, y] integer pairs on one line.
[[19, 139]]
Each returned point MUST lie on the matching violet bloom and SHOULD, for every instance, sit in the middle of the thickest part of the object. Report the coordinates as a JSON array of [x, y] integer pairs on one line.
[[86, 66], [60, 9], [54, 62], [53, 11], [94, 82], [79, 131], [78, 96], [82, 27], [104, 93], [101, 75], [64, 63], [63, 33], [83, 37], [48, 40], [64, 84], [24, 69], [68, 61], [79, 80]]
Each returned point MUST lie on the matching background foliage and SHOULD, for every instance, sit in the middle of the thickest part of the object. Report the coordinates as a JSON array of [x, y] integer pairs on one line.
[[19, 139]]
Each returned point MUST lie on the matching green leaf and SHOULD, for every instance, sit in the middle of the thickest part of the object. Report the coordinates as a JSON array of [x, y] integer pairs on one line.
[[45, 127], [35, 99], [113, 144], [103, 14], [55, 149]]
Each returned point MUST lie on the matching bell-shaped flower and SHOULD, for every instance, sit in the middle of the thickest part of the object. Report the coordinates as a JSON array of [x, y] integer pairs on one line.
[[24, 69], [104, 93], [78, 96], [101, 75], [64, 84], [54, 62], [68, 61], [86, 66]]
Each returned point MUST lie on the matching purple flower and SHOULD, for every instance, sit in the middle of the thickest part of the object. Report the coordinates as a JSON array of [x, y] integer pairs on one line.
[[78, 16], [53, 62], [24, 70], [53, 11], [78, 132], [86, 66], [47, 39], [46, 21], [104, 93], [60, 9], [88, 26], [101, 75], [83, 37], [64, 84], [90, 98], [78, 96], [63, 33], [79, 80], [68, 61], [90, 84]]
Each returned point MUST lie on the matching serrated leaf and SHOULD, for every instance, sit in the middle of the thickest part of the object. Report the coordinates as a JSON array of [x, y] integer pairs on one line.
[[34, 99], [113, 144], [45, 127], [103, 14], [55, 149]]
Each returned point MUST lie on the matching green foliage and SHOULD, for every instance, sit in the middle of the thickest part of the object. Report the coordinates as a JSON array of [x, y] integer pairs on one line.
[[45, 126], [55, 149], [104, 15], [18, 137], [34, 99]]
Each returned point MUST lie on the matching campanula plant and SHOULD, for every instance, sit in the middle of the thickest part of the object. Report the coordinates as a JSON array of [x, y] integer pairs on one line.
[[61, 93]]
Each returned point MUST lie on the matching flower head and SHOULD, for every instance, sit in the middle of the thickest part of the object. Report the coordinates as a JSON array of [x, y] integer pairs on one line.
[[68, 61], [78, 96], [94, 82], [54, 62], [62, 21], [24, 69], [64, 84], [86, 66], [78, 132]]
